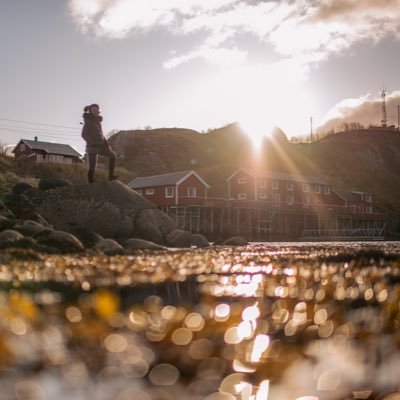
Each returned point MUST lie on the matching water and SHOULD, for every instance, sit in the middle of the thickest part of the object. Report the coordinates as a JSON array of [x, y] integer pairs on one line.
[[266, 321]]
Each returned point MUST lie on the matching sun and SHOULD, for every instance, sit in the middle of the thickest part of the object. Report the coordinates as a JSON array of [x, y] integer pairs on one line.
[[257, 127]]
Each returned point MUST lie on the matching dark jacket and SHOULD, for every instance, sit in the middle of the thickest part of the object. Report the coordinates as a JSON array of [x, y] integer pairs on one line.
[[92, 133]]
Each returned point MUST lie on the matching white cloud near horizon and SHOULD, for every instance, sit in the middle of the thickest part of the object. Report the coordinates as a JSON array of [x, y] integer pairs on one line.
[[305, 29], [366, 110]]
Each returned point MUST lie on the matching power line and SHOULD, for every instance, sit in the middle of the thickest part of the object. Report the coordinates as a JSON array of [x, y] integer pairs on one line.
[[33, 130], [38, 123]]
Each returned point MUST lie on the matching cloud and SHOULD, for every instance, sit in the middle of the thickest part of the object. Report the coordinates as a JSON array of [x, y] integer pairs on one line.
[[308, 30], [366, 110]]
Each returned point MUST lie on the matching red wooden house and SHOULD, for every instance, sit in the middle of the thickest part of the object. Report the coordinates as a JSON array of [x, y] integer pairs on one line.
[[177, 188], [38, 151], [281, 190], [356, 202]]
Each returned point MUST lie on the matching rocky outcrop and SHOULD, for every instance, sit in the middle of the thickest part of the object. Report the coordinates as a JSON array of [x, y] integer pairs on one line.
[[109, 217]]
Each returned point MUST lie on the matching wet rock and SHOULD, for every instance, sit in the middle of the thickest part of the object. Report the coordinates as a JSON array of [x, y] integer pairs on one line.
[[199, 240], [109, 246], [29, 227], [5, 211], [137, 244], [153, 225], [179, 238], [6, 223], [236, 241], [9, 237], [88, 238], [22, 208], [52, 183], [59, 241]]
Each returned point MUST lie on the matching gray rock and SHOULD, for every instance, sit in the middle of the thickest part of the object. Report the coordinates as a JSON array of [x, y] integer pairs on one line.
[[109, 246], [153, 225], [5, 211], [59, 241], [88, 238], [6, 223], [10, 236], [52, 183], [199, 240], [107, 208], [29, 227], [137, 244], [179, 238], [236, 241]]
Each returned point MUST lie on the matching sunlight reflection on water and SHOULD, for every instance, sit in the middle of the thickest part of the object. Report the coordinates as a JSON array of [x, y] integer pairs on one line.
[[267, 321]]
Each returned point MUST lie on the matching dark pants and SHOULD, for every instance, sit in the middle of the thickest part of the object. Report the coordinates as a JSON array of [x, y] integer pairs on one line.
[[92, 160]]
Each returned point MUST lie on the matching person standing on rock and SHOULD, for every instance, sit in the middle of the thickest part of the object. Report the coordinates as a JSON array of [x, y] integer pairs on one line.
[[96, 143]]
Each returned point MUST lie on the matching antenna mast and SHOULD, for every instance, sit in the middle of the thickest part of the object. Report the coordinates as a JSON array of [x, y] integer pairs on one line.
[[384, 115]]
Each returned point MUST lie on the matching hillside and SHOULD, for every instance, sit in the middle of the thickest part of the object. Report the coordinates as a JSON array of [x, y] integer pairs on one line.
[[365, 160]]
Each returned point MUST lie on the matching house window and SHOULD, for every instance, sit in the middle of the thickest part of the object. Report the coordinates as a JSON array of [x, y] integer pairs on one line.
[[317, 188], [242, 196], [368, 198], [149, 192], [169, 191], [242, 180], [290, 199], [275, 185], [306, 201], [191, 192], [262, 196], [290, 185], [263, 183], [327, 190], [306, 187], [368, 210], [276, 198], [39, 157], [56, 158], [22, 146]]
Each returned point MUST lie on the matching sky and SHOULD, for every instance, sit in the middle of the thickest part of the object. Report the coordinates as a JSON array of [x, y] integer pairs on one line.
[[196, 64]]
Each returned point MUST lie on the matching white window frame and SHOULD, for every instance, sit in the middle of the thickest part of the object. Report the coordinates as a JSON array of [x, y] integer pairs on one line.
[[306, 201], [368, 198], [242, 196], [276, 198], [368, 210], [242, 180], [327, 190], [290, 199], [263, 183], [275, 184], [39, 157], [262, 196], [317, 188], [191, 191], [169, 192], [22, 147], [56, 158], [289, 185], [149, 192], [306, 187]]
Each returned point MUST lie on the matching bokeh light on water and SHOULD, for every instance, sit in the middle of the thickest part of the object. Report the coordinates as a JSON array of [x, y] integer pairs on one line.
[[276, 321]]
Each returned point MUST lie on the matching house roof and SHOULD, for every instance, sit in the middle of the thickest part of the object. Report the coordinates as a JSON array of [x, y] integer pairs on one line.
[[283, 176], [48, 147], [174, 178], [348, 196]]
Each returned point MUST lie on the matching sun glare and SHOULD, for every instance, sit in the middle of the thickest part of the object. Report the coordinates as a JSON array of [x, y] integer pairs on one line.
[[257, 128]]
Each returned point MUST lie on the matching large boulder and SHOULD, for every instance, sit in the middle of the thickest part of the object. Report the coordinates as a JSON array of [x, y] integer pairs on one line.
[[107, 208], [52, 183], [153, 225], [59, 242]]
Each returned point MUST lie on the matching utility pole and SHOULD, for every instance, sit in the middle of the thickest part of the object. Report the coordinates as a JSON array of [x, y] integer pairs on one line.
[[384, 115], [311, 130], [398, 117]]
